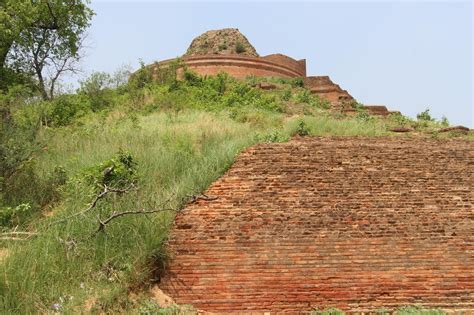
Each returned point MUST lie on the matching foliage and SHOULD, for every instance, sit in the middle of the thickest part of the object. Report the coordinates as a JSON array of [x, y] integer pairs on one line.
[[303, 129], [296, 82], [97, 89], [272, 136], [424, 116], [399, 119], [444, 121], [13, 215], [117, 172], [42, 37], [239, 47], [65, 109]]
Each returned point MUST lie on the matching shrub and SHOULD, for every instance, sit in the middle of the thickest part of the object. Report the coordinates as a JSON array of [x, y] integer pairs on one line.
[[363, 115], [424, 116], [119, 172], [64, 109], [222, 46], [444, 121], [96, 90], [286, 95], [143, 77], [303, 129], [192, 78], [297, 82], [12, 216], [303, 96], [239, 48], [399, 119]]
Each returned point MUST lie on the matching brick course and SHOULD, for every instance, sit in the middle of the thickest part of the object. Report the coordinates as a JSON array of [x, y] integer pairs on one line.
[[352, 222]]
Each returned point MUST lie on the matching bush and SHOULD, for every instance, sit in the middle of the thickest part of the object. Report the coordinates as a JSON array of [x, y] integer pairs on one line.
[[286, 95], [13, 216], [303, 96], [444, 121], [424, 116], [297, 82], [118, 172], [399, 119], [239, 48], [64, 109], [144, 76], [303, 129]]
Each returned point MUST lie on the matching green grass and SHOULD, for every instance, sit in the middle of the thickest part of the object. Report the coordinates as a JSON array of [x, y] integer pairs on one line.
[[177, 156]]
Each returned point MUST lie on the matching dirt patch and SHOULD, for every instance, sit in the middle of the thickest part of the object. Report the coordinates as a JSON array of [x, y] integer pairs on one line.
[[160, 297]]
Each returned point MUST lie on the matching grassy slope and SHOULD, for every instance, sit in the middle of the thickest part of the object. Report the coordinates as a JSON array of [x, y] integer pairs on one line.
[[178, 155]]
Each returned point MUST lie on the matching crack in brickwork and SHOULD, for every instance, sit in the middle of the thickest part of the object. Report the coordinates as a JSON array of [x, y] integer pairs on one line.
[[352, 222]]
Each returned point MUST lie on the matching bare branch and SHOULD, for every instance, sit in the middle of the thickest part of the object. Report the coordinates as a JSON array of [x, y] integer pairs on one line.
[[98, 197], [114, 215]]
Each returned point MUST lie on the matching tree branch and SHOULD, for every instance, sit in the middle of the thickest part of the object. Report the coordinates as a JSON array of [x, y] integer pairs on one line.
[[114, 215], [98, 197]]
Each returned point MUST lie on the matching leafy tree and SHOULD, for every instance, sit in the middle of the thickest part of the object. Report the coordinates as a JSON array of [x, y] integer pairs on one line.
[[40, 38]]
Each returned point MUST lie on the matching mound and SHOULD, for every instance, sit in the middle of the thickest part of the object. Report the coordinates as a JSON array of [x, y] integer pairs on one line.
[[226, 41]]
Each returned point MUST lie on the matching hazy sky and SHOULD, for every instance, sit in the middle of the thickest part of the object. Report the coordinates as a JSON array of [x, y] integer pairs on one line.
[[408, 56]]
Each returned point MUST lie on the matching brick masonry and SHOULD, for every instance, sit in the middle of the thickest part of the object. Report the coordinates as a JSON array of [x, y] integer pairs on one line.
[[351, 222]]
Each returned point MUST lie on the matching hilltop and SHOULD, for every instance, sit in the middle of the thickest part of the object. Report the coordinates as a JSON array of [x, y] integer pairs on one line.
[[225, 41]]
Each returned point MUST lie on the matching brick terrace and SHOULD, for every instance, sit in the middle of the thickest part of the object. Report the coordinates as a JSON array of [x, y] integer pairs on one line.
[[352, 222]]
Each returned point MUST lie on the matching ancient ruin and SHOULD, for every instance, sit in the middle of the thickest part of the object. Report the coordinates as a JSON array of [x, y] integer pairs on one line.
[[229, 51], [355, 223]]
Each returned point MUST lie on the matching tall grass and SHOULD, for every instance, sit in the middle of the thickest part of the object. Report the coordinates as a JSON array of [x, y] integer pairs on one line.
[[176, 158], [177, 155]]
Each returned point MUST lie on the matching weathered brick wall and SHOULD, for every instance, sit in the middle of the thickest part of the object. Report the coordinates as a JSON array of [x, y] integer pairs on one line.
[[325, 88], [243, 66], [356, 223]]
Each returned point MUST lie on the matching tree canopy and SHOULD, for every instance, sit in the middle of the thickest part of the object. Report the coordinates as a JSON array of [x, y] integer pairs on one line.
[[37, 35]]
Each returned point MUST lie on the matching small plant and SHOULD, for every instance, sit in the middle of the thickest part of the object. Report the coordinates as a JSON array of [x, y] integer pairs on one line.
[[10, 216], [192, 78], [364, 116], [424, 116], [222, 46], [303, 96], [239, 48], [399, 119], [297, 82], [118, 172], [302, 129], [444, 121], [286, 95], [274, 136]]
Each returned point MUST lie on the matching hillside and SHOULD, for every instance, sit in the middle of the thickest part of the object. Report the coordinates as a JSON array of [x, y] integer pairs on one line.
[[86, 216]]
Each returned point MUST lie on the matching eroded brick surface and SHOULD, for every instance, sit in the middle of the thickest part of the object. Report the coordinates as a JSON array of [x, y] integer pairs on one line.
[[356, 223]]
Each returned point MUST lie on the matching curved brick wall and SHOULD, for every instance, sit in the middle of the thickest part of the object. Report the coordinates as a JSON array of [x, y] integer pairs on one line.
[[243, 66], [356, 223]]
